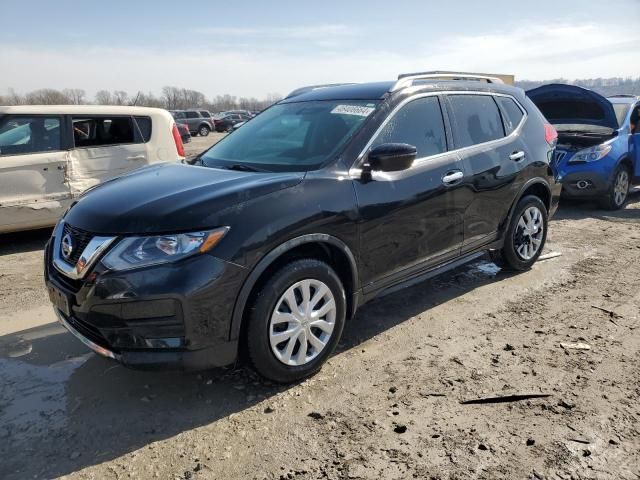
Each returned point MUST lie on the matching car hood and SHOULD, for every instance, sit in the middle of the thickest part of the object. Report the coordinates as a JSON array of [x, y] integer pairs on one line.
[[571, 105], [170, 198]]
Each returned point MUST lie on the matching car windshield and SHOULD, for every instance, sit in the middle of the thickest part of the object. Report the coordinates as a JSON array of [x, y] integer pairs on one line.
[[291, 136], [621, 110]]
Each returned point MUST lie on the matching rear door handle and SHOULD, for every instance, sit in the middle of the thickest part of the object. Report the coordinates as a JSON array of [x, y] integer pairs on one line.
[[452, 177], [137, 157], [517, 156]]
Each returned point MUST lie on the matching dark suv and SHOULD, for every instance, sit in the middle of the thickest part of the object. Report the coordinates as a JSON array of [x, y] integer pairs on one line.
[[325, 200]]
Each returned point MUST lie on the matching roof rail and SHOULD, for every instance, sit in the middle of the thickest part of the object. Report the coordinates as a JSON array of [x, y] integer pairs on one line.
[[407, 79], [301, 90]]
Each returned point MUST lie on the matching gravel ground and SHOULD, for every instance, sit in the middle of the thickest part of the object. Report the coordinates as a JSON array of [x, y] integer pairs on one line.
[[388, 404]]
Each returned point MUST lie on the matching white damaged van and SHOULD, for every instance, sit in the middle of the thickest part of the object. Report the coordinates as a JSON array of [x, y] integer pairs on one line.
[[51, 154]]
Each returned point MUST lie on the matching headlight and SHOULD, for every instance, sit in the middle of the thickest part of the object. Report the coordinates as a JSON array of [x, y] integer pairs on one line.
[[135, 252], [591, 154]]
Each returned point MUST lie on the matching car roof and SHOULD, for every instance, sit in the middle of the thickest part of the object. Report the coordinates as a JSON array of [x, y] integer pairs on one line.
[[378, 90], [78, 109]]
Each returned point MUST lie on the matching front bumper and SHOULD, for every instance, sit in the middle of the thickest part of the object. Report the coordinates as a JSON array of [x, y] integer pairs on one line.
[[584, 185], [171, 316]]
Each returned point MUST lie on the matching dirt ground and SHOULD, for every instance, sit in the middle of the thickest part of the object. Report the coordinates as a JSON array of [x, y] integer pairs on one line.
[[387, 405]]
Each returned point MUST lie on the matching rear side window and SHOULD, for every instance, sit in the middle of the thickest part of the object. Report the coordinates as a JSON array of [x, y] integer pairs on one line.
[[192, 114], [20, 135], [418, 123], [475, 119], [511, 113], [205, 114], [144, 126], [97, 131]]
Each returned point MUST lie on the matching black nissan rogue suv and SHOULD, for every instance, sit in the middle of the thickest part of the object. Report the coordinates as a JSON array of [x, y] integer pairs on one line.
[[281, 230]]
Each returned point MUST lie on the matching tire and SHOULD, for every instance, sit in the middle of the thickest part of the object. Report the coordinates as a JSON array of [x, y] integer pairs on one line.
[[525, 237], [618, 193], [204, 130], [229, 129], [270, 316]]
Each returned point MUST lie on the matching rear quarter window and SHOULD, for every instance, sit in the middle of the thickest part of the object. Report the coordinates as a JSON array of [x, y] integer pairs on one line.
[[475, 119], [511, 113], [144, 127]]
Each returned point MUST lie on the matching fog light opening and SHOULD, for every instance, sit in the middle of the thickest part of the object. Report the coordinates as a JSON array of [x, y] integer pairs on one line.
[[582, 184]]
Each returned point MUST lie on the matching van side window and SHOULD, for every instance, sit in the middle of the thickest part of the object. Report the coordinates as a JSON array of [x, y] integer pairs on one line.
[[418, 123], [20, 135], [511, 113], [475, 119], [144, 125], [97, 131]]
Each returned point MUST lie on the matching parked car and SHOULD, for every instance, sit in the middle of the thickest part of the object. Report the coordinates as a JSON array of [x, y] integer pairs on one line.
[[198, 125], [185, 134], [225, 121], [207, 114], [597, 156], [49, 155], [369, 187], [237, 126]]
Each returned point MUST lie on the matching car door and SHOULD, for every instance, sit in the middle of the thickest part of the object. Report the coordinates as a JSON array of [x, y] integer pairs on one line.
[[33, 163], [104, 147], [410, 219], [492, 154]]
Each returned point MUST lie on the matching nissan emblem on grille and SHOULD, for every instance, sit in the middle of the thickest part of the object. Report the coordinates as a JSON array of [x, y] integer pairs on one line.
[[66, 246]]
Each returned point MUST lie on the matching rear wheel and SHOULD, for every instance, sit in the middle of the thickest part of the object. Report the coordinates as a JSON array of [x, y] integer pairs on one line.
[[204, 130], [525, 237], [617, 195], [295, 321]]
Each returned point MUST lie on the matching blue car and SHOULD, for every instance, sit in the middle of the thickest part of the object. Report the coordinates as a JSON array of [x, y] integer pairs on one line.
[[598, 151]]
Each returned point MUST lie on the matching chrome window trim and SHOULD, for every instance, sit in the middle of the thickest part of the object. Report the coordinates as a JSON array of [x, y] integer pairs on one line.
[[356, 171], [87, 259]]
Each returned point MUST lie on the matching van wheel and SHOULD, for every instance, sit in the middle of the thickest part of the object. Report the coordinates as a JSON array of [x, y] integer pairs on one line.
[[525, 237], [617, 195], [295, 321], [203, 130]]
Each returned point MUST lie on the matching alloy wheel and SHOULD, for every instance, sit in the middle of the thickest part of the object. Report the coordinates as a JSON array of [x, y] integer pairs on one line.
[[529, 233], [302, 322], [621, 187]]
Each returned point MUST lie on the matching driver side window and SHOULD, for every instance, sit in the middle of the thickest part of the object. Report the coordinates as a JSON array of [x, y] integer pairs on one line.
[[418, 123]]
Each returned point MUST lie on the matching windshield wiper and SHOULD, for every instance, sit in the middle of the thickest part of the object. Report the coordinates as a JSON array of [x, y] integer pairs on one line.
[[240, 167]]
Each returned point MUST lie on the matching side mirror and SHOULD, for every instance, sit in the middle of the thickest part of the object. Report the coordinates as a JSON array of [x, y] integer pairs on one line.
[[391, 157]]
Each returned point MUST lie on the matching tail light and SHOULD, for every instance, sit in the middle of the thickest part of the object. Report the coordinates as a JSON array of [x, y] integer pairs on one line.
[[178, 139], [550, 134]]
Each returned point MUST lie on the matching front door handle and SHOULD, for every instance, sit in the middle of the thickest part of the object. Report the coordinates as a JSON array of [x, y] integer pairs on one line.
[[136, 157], [517, 156], [452, 177]]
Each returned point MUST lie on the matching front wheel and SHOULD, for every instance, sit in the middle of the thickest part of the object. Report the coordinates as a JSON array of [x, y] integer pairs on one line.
[[525, 237], [203, 131], [617, 195], [295, 321]]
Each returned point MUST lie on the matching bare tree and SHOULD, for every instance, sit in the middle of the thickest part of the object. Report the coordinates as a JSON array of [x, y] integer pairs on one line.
[[46, 96], [103, 97], [120, 97], [75, 95]]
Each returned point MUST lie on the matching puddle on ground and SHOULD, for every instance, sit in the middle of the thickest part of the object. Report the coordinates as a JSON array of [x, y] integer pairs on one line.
[[33, 398]]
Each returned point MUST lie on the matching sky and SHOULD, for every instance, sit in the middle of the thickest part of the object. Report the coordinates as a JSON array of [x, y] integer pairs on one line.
[[255, 48]]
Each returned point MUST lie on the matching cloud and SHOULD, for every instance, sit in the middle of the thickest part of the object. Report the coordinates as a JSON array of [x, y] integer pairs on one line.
[[260, 62]]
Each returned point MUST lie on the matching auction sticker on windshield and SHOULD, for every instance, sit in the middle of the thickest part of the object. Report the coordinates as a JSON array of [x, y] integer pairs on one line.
[[358, 110]]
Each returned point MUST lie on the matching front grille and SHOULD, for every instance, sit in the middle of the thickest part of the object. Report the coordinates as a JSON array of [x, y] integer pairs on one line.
[[80, 238]]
